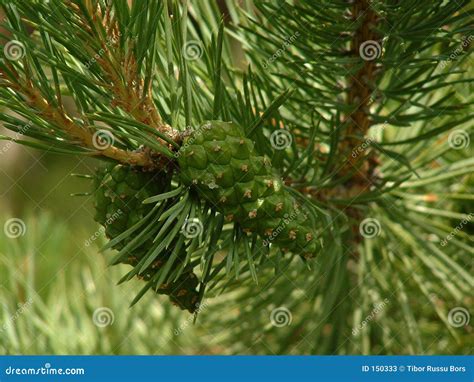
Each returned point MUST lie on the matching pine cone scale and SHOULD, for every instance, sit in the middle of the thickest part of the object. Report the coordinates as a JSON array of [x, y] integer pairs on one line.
[[242, 185]]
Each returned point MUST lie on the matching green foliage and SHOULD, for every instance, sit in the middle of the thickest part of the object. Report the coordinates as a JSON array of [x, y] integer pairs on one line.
[[51, 309], [223, 166], [375, 99], [119, 195]]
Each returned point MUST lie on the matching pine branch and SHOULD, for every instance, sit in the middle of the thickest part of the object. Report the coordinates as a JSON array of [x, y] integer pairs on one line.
[[120, 69], [57, 116], [114, 73], [366, 138], [360, 89]]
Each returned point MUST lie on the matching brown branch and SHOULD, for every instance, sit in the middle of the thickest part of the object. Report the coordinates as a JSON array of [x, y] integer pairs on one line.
[[124, 79], [358, 169], [359, 96], [58, 117], [360, 84], [85, 136]]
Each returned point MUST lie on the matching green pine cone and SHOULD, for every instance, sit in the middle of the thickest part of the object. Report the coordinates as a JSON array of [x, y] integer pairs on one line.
[[183, 292], [119, 194], [223, 165]]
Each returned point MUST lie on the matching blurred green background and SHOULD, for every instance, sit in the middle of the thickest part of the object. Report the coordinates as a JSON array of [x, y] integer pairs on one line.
[[58, 296], [52, 281]]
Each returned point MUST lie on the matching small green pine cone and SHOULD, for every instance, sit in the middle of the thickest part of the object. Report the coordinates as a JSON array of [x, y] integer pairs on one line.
[[183, 291], [223, 165], [119, 194]]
